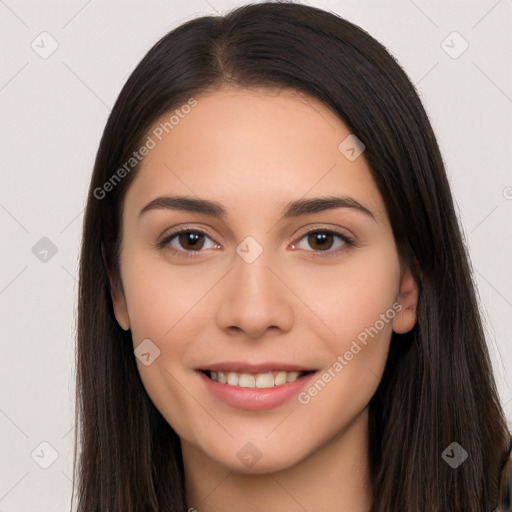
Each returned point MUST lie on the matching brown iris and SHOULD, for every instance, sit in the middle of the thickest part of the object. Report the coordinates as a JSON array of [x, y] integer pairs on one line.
[[320, 238]]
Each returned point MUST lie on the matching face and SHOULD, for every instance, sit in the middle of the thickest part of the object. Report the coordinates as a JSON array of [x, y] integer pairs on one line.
[[293, 306]]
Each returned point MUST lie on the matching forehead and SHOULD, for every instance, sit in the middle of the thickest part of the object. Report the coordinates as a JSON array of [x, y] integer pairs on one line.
[[255, 146]]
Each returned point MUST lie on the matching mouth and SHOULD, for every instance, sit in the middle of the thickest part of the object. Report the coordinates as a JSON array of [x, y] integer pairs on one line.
[[260, 380], [255, 387]]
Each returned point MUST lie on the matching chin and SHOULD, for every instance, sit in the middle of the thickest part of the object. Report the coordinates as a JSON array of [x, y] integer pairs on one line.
[[255, 458]]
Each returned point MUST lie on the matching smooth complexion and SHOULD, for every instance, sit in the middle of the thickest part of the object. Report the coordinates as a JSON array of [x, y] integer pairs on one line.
[[299, 302]]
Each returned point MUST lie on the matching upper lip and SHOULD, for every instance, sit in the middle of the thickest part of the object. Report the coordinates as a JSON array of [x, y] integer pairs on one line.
[[245, 367]]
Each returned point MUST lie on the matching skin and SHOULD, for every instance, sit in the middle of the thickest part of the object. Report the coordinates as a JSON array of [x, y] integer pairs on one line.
[[253, 151]]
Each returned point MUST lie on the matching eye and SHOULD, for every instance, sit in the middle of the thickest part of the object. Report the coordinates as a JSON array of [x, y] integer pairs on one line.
[[322, 240], [187, 241]]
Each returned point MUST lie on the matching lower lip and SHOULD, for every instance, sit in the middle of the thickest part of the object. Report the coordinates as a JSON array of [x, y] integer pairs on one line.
[[256, 399]]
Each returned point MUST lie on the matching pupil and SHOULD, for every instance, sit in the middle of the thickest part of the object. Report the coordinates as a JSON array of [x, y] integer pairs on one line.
[[190, 238], [321, 238]]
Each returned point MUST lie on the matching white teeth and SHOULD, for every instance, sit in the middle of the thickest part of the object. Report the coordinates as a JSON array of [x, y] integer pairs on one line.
[[233, 379], [280, 379], [291, 376], [245, 380], [259, 380], [264, 380]]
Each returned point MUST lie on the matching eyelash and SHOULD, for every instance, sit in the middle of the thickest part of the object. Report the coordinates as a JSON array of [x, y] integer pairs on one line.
[[348, 242]]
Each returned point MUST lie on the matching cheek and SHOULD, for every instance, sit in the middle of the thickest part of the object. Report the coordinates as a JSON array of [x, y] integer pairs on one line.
[[359, 306], [164, 306], [162, 298], [353, 298]]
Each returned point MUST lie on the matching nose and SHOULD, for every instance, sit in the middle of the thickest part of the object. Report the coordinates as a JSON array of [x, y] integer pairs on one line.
[[255, 298]]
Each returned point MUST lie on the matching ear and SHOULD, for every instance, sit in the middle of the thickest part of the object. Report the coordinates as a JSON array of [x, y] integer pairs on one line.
[[407, 297], [118, 299], [119, 303]]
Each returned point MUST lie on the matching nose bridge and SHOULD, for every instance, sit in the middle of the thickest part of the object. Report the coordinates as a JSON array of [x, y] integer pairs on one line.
[[256, 274], [256, 298], [252, 268]]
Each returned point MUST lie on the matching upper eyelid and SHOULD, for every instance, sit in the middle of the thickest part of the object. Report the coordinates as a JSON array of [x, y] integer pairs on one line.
[[337, 231], [172, 232]]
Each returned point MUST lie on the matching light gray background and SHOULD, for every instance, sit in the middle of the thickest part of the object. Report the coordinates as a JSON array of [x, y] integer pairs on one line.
[[53, 112]]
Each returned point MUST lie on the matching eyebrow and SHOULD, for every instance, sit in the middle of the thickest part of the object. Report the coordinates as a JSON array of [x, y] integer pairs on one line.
[[292, 209]]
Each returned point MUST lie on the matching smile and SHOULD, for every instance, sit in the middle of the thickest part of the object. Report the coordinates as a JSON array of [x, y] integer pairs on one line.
[[254, 387], [257, 380]]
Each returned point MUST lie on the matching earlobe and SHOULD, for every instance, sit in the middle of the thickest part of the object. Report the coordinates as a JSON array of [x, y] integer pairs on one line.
[[407, 298]]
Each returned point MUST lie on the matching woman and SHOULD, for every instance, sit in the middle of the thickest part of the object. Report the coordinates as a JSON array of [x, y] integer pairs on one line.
[[254, 369]]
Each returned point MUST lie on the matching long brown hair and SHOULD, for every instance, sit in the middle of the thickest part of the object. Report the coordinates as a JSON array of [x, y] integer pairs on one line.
[[437, 388]]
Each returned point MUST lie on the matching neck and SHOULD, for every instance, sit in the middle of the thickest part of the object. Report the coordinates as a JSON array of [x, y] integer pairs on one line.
[[335, 477]]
